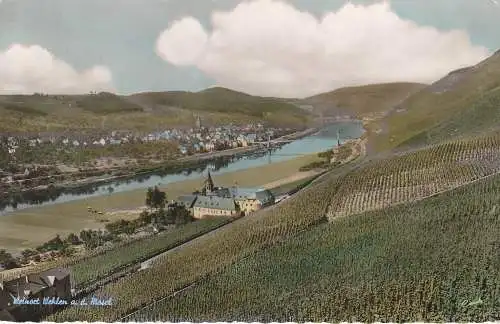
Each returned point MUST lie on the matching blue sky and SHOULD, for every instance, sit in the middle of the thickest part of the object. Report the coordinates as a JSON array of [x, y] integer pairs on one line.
[[115, 44]]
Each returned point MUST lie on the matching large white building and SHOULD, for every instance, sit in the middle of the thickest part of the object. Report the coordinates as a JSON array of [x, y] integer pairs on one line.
[[220, 201]]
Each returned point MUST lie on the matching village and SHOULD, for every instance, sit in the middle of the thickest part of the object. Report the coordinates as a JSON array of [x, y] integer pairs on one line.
[[15, 164], [189, 140]]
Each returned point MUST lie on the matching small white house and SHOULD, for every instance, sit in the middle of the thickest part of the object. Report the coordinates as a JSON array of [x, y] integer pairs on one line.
[[210, 146]]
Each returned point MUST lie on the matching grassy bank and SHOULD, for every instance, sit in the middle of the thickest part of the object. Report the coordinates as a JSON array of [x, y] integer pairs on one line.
[[31, 227]]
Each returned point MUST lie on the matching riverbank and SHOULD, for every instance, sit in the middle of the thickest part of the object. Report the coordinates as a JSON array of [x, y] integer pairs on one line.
[[30, 227]]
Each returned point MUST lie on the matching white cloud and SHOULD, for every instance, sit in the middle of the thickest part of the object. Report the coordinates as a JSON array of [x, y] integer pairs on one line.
[[268, 47], [29, 69], [189, 39]]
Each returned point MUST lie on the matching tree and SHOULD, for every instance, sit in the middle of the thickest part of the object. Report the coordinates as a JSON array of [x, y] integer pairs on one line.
[[73, 239], [28, 253], [85, 236], [183, 216], [121, 226], [7, 261], [54, 244], [155, 199], [177, 214], [149, 198]]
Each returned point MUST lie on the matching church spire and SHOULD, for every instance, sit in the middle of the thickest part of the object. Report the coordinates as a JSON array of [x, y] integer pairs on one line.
[[209, 183]]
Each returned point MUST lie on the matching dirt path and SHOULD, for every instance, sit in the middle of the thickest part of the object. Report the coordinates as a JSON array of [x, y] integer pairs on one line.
[[296, 177]]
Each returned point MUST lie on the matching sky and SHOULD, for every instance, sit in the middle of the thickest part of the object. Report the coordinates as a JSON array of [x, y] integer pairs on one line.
[[288, 48]]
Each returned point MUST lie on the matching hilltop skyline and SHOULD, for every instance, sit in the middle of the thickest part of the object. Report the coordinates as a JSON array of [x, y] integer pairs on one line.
[[158, 45]]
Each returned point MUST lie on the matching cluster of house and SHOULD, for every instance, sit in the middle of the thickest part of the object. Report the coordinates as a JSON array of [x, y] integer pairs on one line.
[[15, 295], [222, 138], [221, 201], [196, 139]]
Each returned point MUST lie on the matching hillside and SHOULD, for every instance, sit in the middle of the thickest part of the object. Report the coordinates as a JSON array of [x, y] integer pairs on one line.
[[366, 268], [361, 101], [463, 103], [431, 261], [145, 111], [419, 230], [225, 101]]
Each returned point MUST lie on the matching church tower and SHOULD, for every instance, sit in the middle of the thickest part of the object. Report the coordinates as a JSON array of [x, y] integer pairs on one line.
[[209, 185], [198, 122]]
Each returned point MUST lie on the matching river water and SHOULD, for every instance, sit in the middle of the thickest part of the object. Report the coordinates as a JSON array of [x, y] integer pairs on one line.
[[323, 140]]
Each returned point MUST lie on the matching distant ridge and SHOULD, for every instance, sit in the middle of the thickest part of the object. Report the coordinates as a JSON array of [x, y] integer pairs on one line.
[[463, 103], [145, 110], [361, 101]]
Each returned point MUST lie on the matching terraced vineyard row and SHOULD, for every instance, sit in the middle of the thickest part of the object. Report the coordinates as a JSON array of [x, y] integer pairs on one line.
[[104, 264], [417, 175], [210, 253], [436, 260]]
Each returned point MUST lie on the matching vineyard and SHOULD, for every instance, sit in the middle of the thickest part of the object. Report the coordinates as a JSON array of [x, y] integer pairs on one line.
[[211, 253], [334, 270], [104, 264], [417, 175], [434, 260]]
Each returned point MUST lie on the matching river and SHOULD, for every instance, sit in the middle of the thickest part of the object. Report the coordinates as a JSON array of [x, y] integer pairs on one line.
[[321, 141]]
